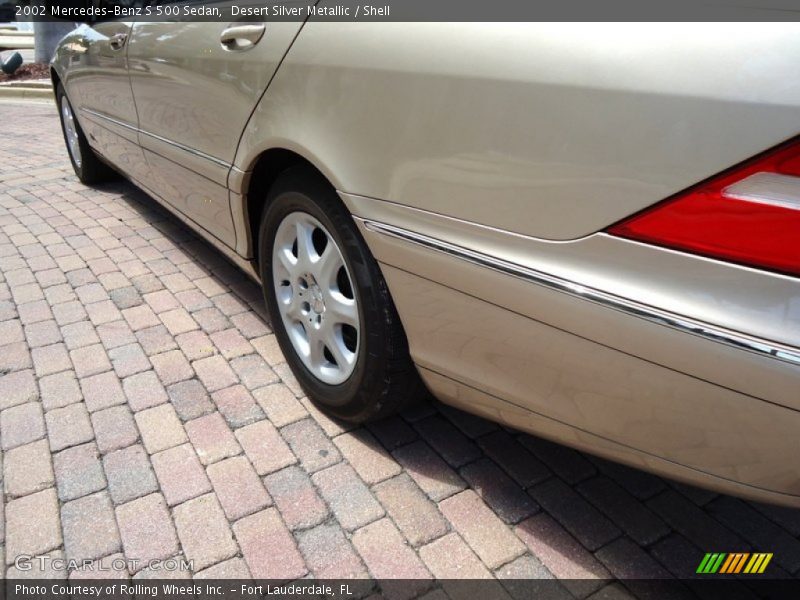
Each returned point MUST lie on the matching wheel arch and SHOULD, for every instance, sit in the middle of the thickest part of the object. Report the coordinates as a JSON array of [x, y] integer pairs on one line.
[[263, 171]]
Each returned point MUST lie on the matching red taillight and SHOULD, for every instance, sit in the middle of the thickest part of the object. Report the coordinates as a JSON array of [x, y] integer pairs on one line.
[[749, 215]]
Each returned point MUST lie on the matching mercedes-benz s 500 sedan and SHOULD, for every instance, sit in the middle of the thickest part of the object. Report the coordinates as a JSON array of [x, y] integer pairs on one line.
[[588, 232]]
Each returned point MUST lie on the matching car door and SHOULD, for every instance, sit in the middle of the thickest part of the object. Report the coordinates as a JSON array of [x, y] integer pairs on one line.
[[99, 88], [195, 85]]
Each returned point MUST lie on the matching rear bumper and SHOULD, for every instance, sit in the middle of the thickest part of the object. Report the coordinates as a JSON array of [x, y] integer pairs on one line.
[[656, 393]]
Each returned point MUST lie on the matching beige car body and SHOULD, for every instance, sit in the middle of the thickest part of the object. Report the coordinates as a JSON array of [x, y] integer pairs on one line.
[[481, 163]]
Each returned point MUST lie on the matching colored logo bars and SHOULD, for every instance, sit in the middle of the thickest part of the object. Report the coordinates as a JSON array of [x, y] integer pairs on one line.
[[734, 562]]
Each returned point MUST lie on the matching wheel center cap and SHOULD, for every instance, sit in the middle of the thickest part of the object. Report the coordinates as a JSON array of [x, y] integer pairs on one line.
[[317, 302]]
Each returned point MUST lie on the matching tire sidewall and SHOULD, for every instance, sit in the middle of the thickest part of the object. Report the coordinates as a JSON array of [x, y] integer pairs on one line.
[[352, 398], [84, 145]]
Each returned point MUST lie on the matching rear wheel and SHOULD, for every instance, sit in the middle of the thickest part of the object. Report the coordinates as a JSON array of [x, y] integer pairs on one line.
[[88, 167], [330, 307]]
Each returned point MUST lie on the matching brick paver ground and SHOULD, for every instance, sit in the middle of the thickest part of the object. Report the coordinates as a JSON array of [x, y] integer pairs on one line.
[[148, 414]]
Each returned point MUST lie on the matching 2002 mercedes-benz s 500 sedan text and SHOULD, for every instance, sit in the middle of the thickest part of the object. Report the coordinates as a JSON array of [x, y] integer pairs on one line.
[[588, 232]]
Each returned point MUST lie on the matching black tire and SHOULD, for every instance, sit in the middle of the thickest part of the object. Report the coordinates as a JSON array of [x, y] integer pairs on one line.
[[384, 378], [91, 169]]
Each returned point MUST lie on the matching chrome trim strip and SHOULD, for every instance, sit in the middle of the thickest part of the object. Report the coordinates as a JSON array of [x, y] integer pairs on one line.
[[130, 127], [720, 335]]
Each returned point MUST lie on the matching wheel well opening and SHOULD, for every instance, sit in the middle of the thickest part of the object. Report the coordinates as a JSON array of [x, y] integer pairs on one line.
[[54, 79], [266, 170]]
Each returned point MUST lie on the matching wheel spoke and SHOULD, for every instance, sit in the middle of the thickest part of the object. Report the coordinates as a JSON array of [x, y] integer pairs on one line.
[[287, 261], [341, 310], [328, 265], [316, 313], [335, 345], [305, 246]]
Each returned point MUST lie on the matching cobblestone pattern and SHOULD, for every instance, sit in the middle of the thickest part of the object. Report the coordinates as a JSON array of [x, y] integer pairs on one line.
[[147, 413]]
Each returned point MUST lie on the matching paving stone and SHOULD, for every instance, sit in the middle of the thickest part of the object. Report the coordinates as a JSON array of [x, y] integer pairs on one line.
[[126, 297], [393, 432], [279, 404], [113, 566], [692, 522], [15, 357], [27, 469], [385, 553], [233, 568], [190, 399], [757, 530], [238, 487], [172, 367], [90, 529], [527, 577], [33, 312], [129, 474], [514, 459], [66, 313], [630, 563], [250, 325], [180, 474], [178, 321], [429, 471], [193, 301], [115, 334], [18, 387], [211, 319], [68, 426], [114, 428], [505, 497], [348, 497], [215, 373], [329, 554], [129, 360], [144, 390], [613, 591], [579, 517], [237, 406], [78, 335], [638, 483], [253, 372], [21, 424], [204, 532], [563, 556], [78, 472], [155, 340], [372, 463], [90, 360], [487, 535], [296, 497], [417, 517], [635, 519], [212, 439], [267, 347], [146, 529], [311, 445], [265, 448], [33, 524], [103, 312], [160, 428], [449, 558], [140, 317], [161, 301], [50, 359], [42, 333], [231, 343], [102, 391], [268, 547], [568, 464], [195, 345], [11, 331]]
